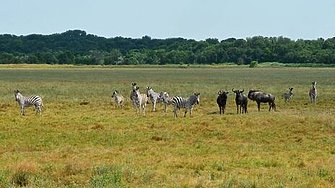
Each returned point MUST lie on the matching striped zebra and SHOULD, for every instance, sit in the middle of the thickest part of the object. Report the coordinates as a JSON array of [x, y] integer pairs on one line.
[[288, 96], [28, 101], [165, 99], [139, 100], [119, 99], [187, 103], [154, 97], [313, 93], [132, 93]]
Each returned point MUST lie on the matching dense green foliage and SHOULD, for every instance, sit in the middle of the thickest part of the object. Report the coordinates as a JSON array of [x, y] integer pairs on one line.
[[78, 47]]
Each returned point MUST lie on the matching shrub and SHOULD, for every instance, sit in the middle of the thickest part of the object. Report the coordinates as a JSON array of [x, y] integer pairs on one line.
[[253, 64]]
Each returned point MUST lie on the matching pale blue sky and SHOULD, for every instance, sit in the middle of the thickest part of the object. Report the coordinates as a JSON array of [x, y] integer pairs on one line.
[[192, 19]]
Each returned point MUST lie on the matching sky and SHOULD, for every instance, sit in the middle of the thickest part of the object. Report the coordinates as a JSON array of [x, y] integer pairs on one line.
[[191, 19]]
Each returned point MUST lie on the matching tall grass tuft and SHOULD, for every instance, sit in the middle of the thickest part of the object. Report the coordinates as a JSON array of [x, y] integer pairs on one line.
[[23, 174], [105, 176]]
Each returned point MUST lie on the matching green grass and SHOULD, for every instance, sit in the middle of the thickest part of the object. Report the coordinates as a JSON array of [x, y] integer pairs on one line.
[[96, 145]]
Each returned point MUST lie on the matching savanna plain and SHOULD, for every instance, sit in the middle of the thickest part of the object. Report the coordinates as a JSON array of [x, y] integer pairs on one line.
[[82, 140]]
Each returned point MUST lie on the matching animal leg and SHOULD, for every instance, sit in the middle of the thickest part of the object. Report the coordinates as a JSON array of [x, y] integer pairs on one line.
[[143, 109], [175, 112], [259, 106], [38, 110], [22, 110], [153, 106]]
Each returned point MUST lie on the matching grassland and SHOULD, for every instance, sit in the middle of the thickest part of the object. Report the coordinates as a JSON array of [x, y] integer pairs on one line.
[[96, 145]]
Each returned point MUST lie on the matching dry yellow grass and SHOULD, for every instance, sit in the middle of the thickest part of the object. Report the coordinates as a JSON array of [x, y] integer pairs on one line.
[[96, 145]]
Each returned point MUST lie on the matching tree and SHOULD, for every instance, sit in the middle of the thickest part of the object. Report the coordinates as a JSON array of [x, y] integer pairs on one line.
[[113, 57]]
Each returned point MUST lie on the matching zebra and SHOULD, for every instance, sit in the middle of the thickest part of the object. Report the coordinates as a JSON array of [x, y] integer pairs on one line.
[[288, 96], [313, 93], [28, 101], [119, 99], [139, 100], [165, 99], [132, 93], [187, 103], [154, 97]]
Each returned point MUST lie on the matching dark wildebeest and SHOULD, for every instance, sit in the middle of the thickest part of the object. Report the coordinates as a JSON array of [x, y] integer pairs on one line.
[[222, 100], [241, 101], [261, 97]]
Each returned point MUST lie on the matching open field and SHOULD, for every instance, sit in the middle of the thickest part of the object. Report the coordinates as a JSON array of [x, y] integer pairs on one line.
[[96, 145]]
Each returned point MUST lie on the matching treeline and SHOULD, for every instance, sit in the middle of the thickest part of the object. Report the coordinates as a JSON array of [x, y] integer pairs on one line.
[[78, 47]]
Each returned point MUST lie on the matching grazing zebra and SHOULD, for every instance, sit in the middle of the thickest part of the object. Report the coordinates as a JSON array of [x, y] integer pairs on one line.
[[119, 99], [166, 99], [139, 100], [313, 93], [288, 96], [187, 103], [154, 97], [28, 101]]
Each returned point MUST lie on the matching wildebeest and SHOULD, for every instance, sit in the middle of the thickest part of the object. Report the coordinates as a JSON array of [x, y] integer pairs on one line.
[[222, 100], [241, 101], [313, 93], [288, 96], [261, 97]]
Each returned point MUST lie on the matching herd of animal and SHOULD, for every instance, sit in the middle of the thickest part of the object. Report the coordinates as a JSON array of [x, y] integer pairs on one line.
[[140, 100]]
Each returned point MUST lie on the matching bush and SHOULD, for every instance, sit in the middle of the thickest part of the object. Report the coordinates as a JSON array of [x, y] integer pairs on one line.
[[253, 64]]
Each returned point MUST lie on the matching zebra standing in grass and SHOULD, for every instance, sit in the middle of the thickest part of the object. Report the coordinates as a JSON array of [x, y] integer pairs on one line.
[[139, 100], [28, 101], [132, 93], [313, 93], [119, 99], [154, 97], [288, 96], [187, 103], [166, 99]]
